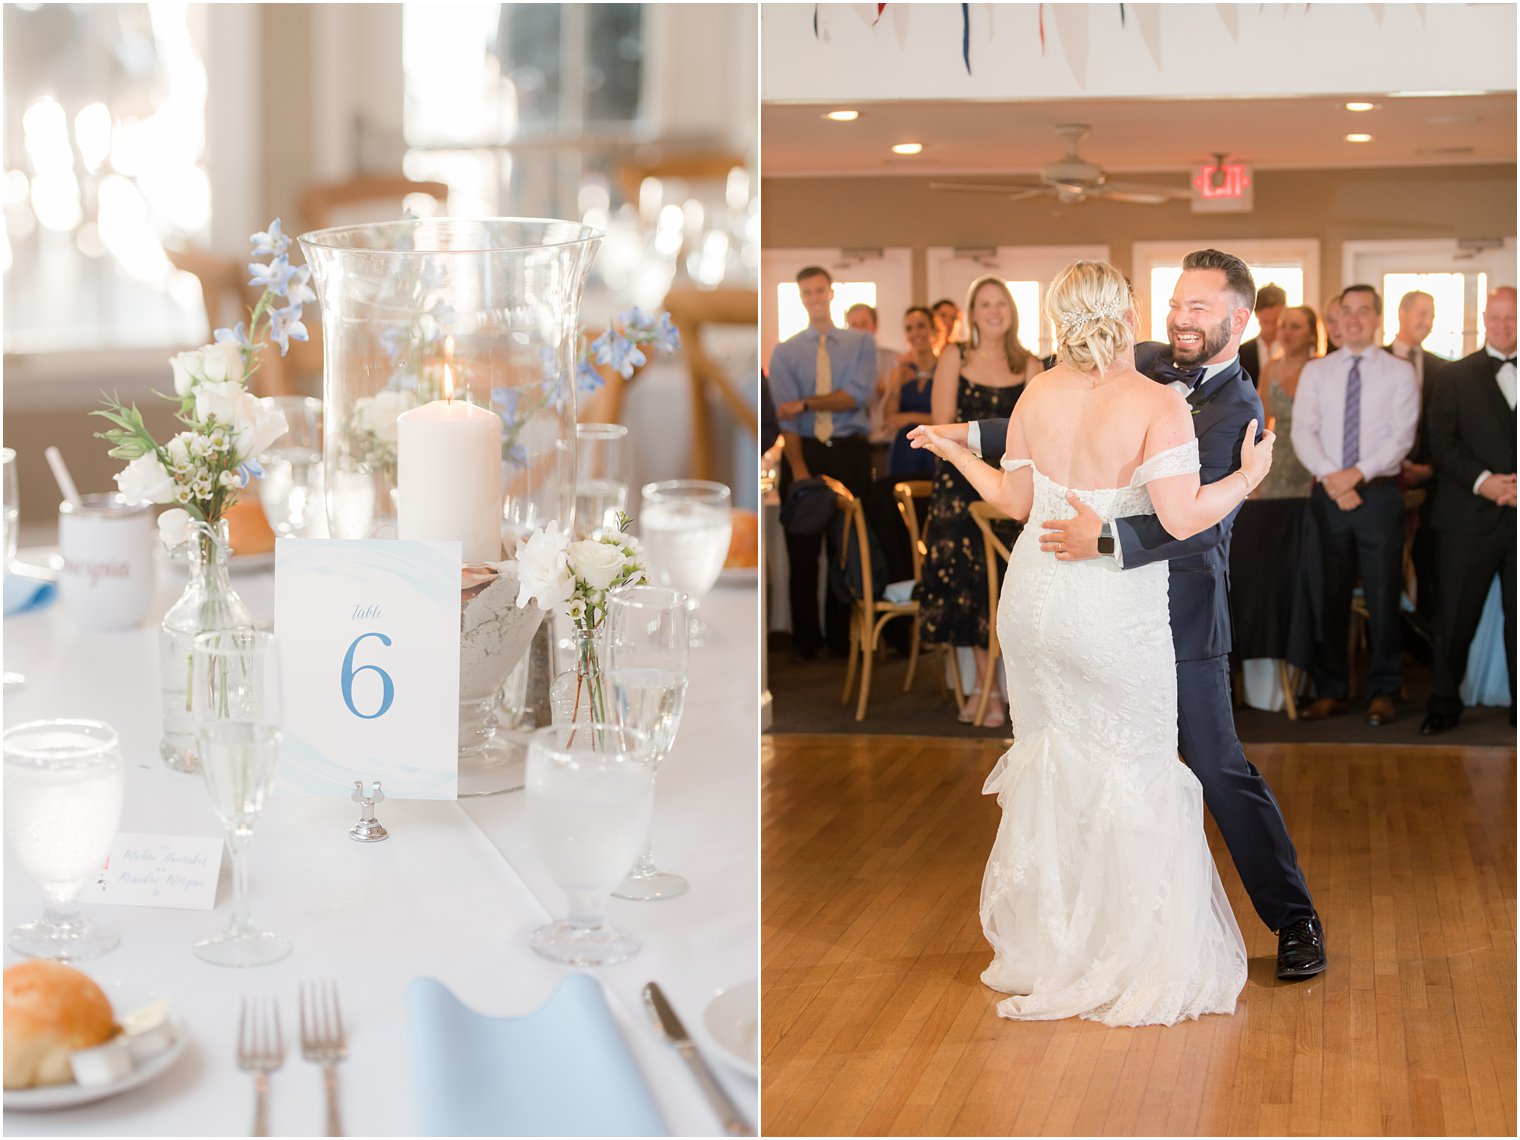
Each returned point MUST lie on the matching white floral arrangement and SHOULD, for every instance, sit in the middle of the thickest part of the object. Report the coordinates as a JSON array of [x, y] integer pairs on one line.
[[372, 425], [203, 468], [576, 579]]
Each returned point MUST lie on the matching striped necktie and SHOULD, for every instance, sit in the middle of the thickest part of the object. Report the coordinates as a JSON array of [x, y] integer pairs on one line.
[[1351, 437], [823, 422]]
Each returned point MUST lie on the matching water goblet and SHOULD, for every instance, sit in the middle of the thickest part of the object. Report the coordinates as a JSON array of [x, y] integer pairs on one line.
[[646, 672], [686, 525], [64, 782], [601, 478], [589, 788], [288, 492], [235, 700]]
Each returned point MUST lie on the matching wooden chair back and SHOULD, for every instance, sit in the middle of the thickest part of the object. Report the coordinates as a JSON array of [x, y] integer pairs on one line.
[[908, 493], [383, 195]]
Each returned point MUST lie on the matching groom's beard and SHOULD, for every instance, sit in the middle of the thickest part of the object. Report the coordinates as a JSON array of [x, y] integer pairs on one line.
[[1211, 344]]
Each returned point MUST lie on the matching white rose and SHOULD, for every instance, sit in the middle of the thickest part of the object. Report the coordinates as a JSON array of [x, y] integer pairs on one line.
[[257, 426], [215, 363], [598, 564], [144, 480], [219, 399], [187, 368], [377, 415], [180, 449], [542, 571], [174, 526]]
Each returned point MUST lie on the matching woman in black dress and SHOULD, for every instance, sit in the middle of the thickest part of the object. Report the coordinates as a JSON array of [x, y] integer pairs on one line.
[[979, 378]]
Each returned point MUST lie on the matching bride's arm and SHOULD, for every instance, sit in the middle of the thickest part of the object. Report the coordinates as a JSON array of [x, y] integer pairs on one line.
[[1011, 492], [1184, 507]]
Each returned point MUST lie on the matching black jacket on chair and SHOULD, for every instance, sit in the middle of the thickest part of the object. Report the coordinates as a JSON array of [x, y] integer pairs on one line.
[[1472, 430], [1198, 587]]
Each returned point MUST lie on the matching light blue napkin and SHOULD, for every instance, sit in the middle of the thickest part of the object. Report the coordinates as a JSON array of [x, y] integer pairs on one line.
[[899, 593], [24, 593], [562, 1071]]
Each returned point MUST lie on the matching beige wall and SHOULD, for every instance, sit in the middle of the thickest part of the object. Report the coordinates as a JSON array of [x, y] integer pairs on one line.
[[1333, 206]]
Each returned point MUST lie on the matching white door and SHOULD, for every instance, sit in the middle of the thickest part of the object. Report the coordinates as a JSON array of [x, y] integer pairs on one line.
[[1459, 280], [882, 278]]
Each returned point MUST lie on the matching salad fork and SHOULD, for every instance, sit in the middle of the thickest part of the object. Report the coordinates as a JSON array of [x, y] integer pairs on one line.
[[322, 1041], [261, 1050]]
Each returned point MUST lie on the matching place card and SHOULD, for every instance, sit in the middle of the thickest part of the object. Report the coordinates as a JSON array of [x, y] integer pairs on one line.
[[178, 871], [369, 651]]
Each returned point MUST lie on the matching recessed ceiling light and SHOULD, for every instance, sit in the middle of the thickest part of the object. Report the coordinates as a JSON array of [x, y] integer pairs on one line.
[[1358, 138], [907, 148], [843, 116], [1361, 106]]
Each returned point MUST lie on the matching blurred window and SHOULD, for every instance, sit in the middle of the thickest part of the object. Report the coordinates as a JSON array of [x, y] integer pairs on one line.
[[105, 132], [792, 318], [1450, 291]]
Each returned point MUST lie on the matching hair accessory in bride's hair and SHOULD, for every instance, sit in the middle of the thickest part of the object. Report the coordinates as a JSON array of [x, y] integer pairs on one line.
[[1073, 320]]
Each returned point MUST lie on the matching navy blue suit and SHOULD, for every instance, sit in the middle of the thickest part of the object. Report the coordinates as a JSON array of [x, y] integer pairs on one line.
[[1198, 592]]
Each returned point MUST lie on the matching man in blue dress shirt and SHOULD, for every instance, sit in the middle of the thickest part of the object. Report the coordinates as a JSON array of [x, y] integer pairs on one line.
[[821, 380]]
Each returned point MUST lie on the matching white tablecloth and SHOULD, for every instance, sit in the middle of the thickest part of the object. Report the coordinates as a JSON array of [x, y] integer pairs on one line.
[[453, 894]]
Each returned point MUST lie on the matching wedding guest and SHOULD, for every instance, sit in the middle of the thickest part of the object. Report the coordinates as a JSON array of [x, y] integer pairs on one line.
[[1472, 439], [909, 397], [979, 378], [1331, 322], [1417, 316], [1354, 420], [1297, 341], [947, 315], [822, 380], [862, 318], [1256, 352]]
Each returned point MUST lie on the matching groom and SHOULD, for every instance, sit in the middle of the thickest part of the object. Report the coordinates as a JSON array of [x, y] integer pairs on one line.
[[1209, 310]]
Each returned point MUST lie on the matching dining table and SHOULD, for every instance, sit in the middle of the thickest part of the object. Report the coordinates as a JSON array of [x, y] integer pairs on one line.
[[452, 895]]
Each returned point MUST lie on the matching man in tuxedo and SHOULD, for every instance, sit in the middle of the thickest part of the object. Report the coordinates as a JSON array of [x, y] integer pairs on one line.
[[822, 380], [1472, 441], [1254, 354], [1209, 310]]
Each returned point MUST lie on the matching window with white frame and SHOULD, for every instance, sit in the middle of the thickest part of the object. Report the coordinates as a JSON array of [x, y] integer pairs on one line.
[[1027, 270], [1458, 278], [879, 278], [1290, 263]]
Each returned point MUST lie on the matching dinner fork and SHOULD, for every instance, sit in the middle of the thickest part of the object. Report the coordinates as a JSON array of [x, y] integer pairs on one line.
[[261, 1049], [322, 1041]]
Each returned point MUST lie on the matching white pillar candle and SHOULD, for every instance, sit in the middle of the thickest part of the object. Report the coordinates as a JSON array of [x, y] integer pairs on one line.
[[448, 475]]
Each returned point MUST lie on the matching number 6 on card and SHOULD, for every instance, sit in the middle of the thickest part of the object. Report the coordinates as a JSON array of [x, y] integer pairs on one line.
[[369, 630]]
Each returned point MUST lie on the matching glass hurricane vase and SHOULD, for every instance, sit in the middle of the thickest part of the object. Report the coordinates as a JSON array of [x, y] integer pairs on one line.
[[209, 604]]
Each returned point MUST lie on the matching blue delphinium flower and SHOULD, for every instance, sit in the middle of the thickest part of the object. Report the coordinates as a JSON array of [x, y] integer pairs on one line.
[[285, 324], [505, 401], [237, 336], [634, 321], [275, 276], [251, 468], [587, 379], [666, 337], [617, 352], [394, 340], [297, 289], [271, 241]]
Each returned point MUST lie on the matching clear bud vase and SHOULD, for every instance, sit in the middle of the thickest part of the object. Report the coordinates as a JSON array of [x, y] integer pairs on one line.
[[579, 694], [209, 603]]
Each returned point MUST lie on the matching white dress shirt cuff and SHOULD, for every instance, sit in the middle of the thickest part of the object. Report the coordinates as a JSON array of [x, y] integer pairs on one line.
[[1480, 481], [974, 439]]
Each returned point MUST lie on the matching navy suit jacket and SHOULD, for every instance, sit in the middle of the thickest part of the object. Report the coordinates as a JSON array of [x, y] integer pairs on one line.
[[1199, 583]]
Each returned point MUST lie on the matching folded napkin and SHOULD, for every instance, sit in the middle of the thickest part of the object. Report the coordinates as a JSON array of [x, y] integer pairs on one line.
[[899, 593], [23, 593], [562, 1071]]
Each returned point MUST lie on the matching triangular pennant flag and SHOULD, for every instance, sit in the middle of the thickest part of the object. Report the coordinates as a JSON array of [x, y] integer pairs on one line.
[[1073, 23], [1148, 17], [966, 36], [1230, 15], [880, 8], [1377, 13]]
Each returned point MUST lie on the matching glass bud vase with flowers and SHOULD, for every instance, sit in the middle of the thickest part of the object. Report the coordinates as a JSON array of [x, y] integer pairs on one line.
[[576, 578], [203, 468]]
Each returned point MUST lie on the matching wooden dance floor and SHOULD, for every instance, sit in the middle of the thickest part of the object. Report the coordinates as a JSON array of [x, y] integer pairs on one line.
[[875, 1021]]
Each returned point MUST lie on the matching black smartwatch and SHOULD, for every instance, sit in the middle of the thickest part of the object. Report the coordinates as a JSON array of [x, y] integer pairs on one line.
[[1106, 541]]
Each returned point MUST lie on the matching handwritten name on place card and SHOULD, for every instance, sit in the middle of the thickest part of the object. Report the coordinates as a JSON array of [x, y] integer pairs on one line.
[[161, 870]]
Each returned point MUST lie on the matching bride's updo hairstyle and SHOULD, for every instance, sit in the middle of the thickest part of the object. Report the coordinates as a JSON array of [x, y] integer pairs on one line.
[[1087, 305]]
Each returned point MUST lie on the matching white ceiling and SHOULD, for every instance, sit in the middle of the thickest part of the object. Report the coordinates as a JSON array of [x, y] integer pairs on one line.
[[1003, 138]]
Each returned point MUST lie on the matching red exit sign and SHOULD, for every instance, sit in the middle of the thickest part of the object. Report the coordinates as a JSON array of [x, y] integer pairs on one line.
[[1223, 188]]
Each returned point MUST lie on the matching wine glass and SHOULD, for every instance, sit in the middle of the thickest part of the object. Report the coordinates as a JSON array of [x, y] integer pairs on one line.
[[686, 525], [288, 492], [235, 700], [590, 788], [601, 478], [64, 782], [646, 669]]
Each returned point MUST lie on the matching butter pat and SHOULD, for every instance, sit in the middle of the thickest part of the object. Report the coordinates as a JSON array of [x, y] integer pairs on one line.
[[147, 1031], [102, 1065]]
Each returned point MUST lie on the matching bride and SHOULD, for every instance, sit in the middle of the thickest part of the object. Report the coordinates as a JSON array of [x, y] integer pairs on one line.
[[1100, 898]]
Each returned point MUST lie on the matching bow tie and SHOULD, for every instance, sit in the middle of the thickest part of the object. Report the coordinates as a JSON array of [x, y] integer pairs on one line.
[[1500, 362], [1168, 372]]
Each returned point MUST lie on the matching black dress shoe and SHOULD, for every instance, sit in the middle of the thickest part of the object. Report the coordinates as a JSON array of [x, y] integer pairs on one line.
[[1301, 950], [1436, 723]]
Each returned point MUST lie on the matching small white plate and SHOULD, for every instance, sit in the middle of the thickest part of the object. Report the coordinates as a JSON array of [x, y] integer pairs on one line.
[[732, 1021], [50, 1097]]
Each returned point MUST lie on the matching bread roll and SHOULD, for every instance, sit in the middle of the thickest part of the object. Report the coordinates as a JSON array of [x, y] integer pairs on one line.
[[50, 1011], [744, 544]]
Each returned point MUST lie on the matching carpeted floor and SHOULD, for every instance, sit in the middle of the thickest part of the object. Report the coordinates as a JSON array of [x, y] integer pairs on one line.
[[806, 699]]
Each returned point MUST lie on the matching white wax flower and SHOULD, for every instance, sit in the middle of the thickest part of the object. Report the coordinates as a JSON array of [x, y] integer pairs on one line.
[[542, 569], [182, 450], [144, 480], [598, 564]]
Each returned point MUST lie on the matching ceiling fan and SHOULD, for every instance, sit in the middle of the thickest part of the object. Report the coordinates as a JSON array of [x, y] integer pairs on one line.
[[1074, 179]]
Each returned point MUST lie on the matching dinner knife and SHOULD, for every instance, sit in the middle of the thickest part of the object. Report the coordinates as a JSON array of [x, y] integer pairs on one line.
[[666, 1021]]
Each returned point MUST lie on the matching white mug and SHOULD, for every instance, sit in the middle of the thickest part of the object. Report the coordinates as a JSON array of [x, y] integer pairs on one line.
[[108, 570]]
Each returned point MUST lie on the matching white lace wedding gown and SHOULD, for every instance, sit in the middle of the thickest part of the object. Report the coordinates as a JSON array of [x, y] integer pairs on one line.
[[1101, 898]]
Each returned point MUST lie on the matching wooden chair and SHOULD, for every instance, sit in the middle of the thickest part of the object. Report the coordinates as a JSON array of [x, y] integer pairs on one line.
[[868, 614], [691, 310], [984, 515], [228, 298], [381, 195], [908, 493]]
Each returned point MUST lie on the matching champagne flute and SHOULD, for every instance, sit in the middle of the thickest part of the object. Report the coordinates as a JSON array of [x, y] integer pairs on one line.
[[293, 466], [686, 525], [601, 478], [64, 782], [235, 700], [589, 790], [646, 656]]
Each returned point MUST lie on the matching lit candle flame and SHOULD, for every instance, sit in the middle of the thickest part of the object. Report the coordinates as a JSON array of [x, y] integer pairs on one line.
[[448, 383]]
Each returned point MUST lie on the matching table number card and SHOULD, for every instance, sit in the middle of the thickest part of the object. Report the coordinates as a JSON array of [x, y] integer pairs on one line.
[[177, 871], [369, 635]]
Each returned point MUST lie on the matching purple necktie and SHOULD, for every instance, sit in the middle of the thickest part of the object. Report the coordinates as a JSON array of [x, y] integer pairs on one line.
[[1351, 438]]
